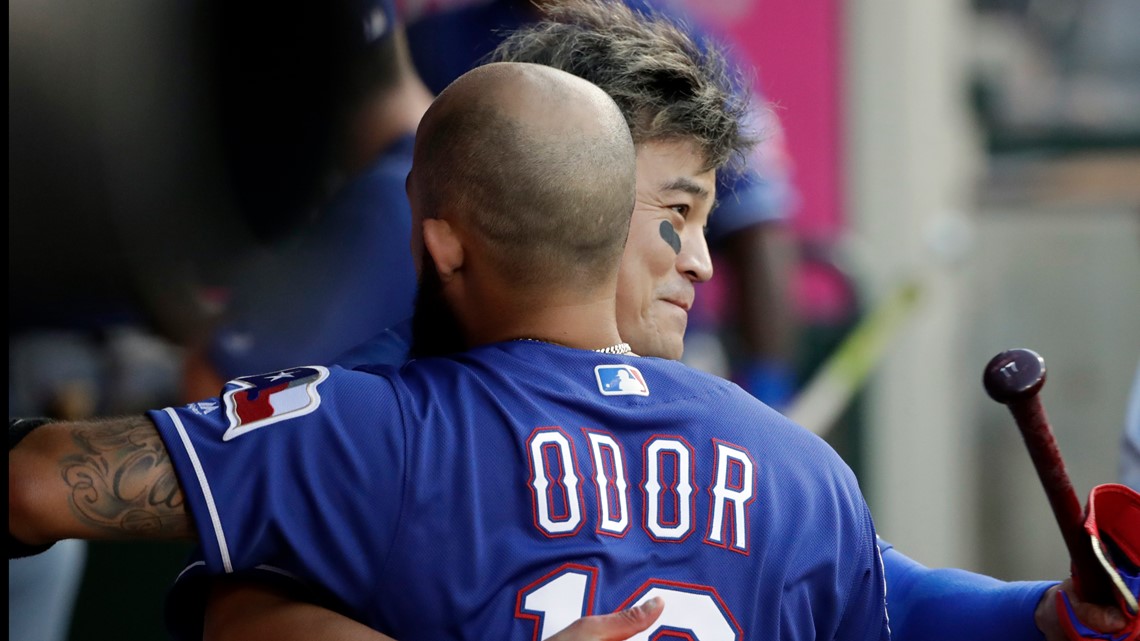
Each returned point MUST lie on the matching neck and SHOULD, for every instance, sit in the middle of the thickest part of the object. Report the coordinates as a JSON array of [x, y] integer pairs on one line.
[[583, 323]]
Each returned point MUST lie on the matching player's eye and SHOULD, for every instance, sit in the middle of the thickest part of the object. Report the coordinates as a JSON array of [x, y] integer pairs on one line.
[[683, 210]]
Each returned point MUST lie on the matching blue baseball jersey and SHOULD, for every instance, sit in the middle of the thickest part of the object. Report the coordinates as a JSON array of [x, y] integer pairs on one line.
[[923, 603], [348, 277], [509, 490]]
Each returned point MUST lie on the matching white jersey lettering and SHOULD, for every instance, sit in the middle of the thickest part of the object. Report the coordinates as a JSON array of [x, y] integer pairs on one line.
[[675, 457], [610, 480], [733, 482], [554, 482]]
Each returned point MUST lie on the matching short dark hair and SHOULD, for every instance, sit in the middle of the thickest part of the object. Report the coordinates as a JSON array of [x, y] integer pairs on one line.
[[667, 85]]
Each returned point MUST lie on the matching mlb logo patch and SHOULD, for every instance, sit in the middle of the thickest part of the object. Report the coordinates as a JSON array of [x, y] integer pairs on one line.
[[256, 401], [620, 380]]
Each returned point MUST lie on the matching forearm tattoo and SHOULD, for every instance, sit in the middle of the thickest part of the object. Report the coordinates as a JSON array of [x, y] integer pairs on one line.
[[123, 482]]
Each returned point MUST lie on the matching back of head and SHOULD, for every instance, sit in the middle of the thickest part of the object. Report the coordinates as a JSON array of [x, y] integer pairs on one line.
[[667, 85], [538, 164]]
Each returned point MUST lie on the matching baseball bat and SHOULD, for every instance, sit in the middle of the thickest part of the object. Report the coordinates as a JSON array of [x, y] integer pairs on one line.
[[1014, 378], [824, 398]]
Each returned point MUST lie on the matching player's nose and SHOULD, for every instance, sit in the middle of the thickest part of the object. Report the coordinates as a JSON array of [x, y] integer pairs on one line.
[[694, 261]]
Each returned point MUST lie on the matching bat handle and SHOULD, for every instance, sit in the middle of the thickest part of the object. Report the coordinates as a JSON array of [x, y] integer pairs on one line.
[[1092, 582]]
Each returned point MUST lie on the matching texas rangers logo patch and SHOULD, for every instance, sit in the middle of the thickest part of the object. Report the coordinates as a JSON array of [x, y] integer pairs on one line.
[[620, 380], [256, 401]]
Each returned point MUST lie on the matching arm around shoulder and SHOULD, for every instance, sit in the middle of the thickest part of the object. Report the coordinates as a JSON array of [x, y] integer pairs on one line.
[[253, 612], [101, 479]]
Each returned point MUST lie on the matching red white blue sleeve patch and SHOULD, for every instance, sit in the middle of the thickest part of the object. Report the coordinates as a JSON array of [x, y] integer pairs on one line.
[[620, 380], [256, 401]]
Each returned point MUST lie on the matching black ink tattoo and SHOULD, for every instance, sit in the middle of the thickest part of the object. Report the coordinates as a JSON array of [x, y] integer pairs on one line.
[[123, 482], [670, 236]]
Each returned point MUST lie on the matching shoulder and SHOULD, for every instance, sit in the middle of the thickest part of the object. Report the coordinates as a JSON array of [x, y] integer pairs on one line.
[[734, 409], [308, 389]]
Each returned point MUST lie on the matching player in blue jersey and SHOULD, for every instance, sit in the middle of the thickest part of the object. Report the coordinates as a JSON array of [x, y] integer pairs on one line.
[[506, 490], [924, 603], [338, 280], [931, 590]]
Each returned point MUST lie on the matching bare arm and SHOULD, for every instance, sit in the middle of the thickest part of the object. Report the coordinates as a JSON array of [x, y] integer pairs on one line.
[[251, 612], [100, 479]]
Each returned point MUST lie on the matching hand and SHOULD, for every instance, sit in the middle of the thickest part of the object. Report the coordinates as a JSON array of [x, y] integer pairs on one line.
[[1105, 618], [616, 626], [245, 611]]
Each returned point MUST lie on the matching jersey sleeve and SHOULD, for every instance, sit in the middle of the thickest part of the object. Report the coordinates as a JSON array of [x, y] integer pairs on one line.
[[300, 471], [865, 611], [927, 603]]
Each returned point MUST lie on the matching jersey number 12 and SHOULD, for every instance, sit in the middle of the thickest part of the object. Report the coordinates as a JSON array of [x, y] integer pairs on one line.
[[567, 594]]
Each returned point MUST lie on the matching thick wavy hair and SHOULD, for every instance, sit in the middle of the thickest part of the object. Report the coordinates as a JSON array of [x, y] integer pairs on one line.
[[668, 85]]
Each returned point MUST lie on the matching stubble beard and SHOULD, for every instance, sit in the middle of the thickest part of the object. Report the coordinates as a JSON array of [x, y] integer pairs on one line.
[[435, 329]]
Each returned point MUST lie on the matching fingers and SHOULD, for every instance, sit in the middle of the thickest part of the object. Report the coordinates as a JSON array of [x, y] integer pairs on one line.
[[616, 626], [1106, 618], [1051, 610]]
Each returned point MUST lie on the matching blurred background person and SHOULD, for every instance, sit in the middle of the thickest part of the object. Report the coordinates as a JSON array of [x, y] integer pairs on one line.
[[345, 273], [170, 166], [1130, 442]]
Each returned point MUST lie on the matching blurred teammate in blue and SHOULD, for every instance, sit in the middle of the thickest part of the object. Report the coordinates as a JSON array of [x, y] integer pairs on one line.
[[334, 282], [462, 508]]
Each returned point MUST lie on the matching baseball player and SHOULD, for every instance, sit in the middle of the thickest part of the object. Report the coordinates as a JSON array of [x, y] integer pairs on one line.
[[499, 491], [652, 337], [924, 603]]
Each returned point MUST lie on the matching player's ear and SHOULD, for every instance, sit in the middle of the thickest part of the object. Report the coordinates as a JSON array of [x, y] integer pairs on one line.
[[443, 246]]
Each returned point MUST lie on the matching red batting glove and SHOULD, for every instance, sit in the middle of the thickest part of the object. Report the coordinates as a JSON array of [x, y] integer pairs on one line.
[[1113, 523]]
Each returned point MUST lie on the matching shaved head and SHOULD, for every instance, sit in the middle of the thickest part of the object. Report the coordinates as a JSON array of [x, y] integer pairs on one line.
[[536, 164]]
